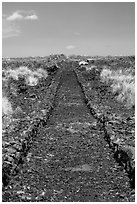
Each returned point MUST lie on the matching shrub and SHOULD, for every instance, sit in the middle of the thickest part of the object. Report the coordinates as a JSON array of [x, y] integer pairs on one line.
[[6, 107], [122, 84], [31, 77], [15, 81]]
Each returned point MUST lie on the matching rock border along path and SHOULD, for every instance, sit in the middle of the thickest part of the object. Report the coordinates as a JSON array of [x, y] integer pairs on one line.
[[123, 154], [16, 148], [69, 161]]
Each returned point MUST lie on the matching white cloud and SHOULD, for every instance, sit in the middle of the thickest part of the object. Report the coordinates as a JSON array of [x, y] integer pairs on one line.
[[22, 15], [69, 47], [15, 16], [10, 26], [32, 17]]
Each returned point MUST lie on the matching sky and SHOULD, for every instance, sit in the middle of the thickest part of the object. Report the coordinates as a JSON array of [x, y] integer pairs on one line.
[[83, 28]]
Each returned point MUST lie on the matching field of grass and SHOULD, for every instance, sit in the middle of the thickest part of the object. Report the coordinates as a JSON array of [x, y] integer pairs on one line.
[[122, 83]]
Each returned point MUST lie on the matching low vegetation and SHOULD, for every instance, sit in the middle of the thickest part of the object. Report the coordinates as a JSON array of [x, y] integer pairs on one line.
[[6, 106], [31, 77], [122, 83], [22, 75]]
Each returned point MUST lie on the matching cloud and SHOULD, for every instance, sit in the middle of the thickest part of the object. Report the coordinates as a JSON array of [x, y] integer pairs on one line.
[[10, 26], [32, 17], [15, 16], [9, 29], [22, 15], [69, 47]]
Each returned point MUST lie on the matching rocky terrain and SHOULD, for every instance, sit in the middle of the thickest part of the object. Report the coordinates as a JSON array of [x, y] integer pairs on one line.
[[67, 150]]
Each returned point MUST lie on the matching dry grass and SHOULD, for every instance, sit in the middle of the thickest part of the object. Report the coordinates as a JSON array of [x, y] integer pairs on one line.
[[30, 77], [122, 84], [6, 107]]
